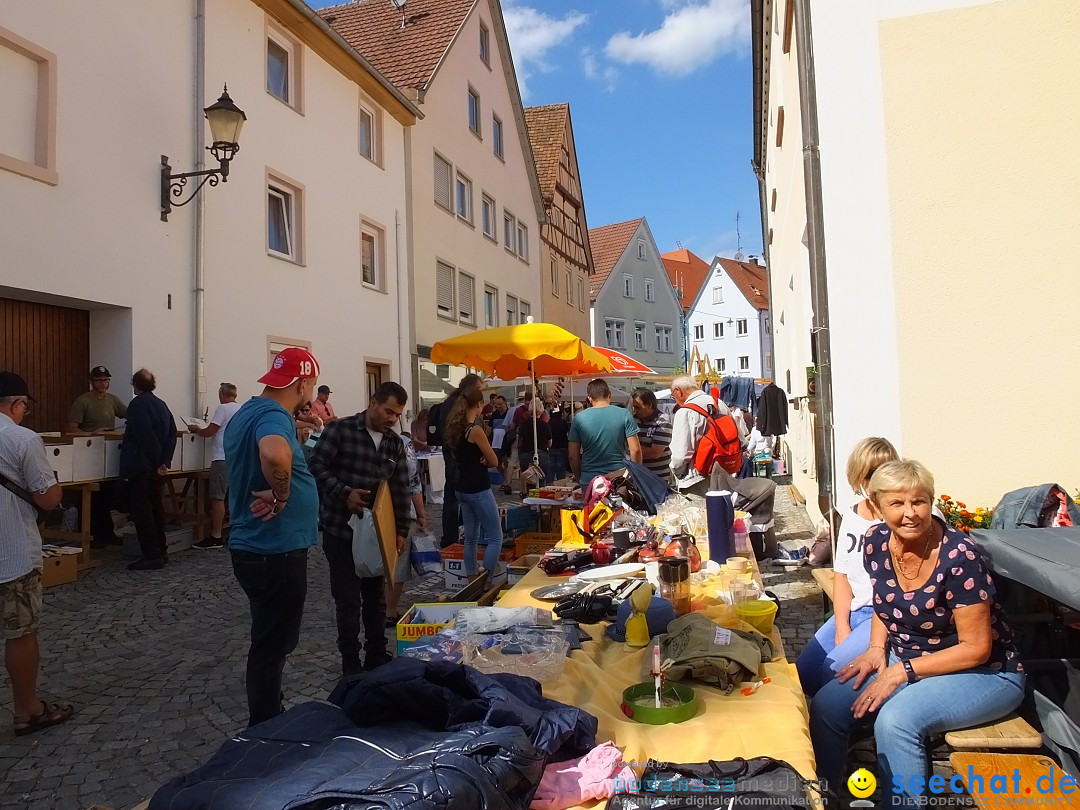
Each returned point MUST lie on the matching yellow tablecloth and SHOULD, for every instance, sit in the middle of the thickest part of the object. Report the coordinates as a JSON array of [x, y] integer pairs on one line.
[[771, 722]]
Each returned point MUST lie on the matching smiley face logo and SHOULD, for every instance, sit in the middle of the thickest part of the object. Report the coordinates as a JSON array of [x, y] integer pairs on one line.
[[862, 784]]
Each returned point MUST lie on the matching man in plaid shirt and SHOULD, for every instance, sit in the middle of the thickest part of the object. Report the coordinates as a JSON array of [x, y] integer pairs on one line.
[[352, 457]]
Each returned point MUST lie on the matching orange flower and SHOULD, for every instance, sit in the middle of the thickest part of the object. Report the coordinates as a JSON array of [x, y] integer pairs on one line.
[[965, 513], [946, 498], [961, 504]]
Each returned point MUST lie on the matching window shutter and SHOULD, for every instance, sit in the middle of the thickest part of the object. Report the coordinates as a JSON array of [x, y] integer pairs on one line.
[[444, 289], [466, 297], [442, 182]]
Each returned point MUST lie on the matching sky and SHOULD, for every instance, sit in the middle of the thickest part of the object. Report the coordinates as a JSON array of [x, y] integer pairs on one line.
[[661, 100]]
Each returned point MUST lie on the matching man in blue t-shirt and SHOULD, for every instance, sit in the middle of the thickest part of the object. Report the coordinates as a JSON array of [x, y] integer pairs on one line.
[[601, 437], [272, 531]]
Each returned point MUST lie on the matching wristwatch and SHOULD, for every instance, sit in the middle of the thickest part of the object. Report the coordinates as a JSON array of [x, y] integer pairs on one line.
[[278, 500], [910, 670]]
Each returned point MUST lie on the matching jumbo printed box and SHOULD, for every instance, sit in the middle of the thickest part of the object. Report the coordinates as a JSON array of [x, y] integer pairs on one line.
[[426, 619]]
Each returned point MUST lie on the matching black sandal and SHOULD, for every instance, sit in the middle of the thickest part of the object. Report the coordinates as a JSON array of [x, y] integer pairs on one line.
[[53, 715]]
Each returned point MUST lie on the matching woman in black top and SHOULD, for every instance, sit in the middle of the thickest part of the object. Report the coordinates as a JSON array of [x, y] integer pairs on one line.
[[466, 439]]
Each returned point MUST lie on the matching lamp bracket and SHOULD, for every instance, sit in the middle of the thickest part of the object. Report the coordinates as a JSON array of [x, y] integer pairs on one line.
[[174, 185]]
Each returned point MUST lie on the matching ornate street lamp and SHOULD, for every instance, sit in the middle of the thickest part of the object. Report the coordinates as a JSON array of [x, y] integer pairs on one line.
[[226, 121]]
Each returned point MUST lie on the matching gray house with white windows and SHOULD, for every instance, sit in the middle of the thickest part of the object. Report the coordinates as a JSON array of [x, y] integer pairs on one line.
[[634, 308]]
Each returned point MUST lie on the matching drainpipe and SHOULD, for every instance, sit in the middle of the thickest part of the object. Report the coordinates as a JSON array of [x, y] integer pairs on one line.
[[198, 397], [819, 288], [404, 353]]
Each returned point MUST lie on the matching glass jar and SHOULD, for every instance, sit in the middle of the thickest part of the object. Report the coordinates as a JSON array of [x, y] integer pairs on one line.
[[675, 583]]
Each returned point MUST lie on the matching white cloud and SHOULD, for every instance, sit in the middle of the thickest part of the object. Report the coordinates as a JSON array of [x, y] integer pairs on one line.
[[533, 34], [605, 74], [690, 37]]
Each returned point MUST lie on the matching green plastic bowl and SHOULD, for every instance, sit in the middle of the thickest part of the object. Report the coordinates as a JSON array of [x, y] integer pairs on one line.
[[686, 708]]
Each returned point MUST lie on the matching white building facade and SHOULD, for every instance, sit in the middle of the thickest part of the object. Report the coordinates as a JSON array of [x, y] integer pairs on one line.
[[301, 246], [728, 323]]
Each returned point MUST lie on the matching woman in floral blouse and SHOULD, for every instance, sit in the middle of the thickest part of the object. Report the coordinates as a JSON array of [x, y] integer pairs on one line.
[[940, 657]]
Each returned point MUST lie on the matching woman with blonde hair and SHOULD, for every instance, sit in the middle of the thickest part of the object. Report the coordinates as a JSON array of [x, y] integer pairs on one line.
[[468, 442], [846, 634], [941, 655]]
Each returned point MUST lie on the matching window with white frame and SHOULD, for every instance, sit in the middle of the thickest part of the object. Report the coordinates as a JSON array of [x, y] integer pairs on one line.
[[641, 252], [650, 290], [474, 112], [511, 309], [367, 135], [371, 258], [444, 290], [485, 45], [581, 294], [744, 362], [487, 216], [284, 216], [524, 311], [491, 306], [613, 333], [554, 278], [522, 242], [628, 286], [718, 329], [721, 365], [509, 231], [466, 298], [718, 294], [639, 336], [443, 175], [497, 136], [699, 332], [663, 339], [741, 327], [283, 67], [569, 288], [463, 197]]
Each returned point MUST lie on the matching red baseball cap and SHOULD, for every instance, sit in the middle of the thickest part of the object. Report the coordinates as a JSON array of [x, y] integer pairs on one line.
[[290, 365]]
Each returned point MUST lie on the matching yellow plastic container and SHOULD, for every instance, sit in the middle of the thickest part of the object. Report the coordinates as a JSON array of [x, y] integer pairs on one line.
[[758, 613]]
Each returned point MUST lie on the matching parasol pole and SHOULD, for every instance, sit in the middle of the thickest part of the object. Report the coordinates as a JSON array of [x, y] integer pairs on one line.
[[571, 399], [536, 449]]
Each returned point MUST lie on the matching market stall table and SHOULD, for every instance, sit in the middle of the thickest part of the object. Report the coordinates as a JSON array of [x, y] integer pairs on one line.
[[773, 721]]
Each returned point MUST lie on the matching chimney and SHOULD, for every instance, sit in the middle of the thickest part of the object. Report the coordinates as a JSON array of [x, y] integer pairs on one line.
[[753, 260]]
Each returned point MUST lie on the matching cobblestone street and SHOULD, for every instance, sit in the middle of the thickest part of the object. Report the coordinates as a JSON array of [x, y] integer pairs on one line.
[[154, 662]]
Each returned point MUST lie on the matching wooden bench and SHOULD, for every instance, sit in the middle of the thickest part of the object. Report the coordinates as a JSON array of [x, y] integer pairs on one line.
[[824, 578], [1040, 778], [1011, 733]]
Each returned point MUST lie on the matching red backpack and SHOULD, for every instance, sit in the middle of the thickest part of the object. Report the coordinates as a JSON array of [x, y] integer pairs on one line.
[[719, 445]]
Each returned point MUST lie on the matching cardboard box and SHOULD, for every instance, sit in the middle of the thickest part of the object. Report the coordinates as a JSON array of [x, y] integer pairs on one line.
[[61, 456], [177, 463], [88, 458], [517, 570], [455, 580], [454, 576], [535, 543], [59, 570], [426, 619], [112, 457], [193, 453]]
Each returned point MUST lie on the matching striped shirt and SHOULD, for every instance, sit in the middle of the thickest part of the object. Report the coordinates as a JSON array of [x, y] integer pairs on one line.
[[656, 432], [23, 461]]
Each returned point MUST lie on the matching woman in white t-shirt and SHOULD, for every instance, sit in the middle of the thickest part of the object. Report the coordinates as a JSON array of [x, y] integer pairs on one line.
[[847, 633]]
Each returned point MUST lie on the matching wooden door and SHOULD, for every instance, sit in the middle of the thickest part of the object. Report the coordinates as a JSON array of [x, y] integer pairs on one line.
[[374, 379], [50, 347]]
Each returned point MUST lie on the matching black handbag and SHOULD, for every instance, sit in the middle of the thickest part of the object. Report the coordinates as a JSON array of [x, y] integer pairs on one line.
[[761, 781]]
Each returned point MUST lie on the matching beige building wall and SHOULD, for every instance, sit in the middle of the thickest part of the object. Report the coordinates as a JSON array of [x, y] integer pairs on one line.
[[568, 309], [789, 260], [981, 110], [439, 234]]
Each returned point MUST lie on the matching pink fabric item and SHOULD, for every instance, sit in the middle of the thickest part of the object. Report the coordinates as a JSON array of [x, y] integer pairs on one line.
[[565, 784]]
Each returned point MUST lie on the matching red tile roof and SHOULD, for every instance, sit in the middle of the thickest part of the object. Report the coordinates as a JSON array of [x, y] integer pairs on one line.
[[751, 279], [608, 244], [687, 273], [547, 130], [406, 56]]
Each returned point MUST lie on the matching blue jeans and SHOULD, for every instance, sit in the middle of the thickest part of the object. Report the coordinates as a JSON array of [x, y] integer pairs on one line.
[[559, 464], [910, 715], [823, 658], [482, 527]]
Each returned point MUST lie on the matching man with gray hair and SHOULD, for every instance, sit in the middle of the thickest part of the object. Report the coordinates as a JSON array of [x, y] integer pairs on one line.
[[219, 474], [687, 429]]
